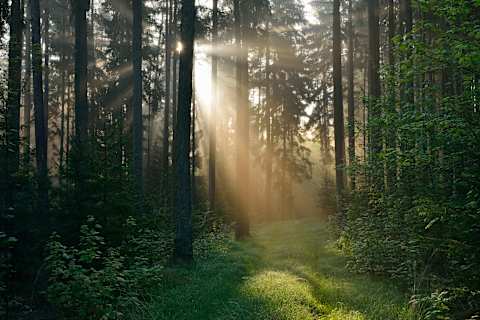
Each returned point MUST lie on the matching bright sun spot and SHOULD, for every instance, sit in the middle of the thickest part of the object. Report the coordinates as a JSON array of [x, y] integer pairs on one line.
[[179, 47], [203, 79]]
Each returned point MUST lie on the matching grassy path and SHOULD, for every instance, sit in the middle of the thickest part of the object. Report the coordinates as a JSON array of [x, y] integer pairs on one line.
[[286, 271]]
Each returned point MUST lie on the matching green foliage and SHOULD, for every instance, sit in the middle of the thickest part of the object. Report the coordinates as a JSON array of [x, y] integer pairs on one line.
[[6, 268], [423, 226], [445, 304], [92, 281]]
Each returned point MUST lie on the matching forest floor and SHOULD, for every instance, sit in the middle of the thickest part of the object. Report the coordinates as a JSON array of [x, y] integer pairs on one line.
[[288, 270]]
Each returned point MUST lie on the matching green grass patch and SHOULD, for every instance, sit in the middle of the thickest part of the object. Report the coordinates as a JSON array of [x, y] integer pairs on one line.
[[287, 270]]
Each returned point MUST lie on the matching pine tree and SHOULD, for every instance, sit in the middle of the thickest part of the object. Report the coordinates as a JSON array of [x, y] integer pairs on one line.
[[41, 143], [338, 105], [213, 109], [183, 251], [137, 101], [14, 94], [80, 9], [242, 126]]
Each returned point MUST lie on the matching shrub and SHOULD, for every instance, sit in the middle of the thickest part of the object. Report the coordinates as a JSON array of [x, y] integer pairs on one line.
[[95, 282]]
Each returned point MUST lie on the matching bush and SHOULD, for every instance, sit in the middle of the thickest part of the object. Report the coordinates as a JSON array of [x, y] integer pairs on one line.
[[94, 282], [458, 303]]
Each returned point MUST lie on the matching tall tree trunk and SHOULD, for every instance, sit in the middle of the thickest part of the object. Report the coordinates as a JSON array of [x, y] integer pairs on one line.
[[40, 120], [28, 87], [283, 174], [46, 58], [81, 8], [212, 146], [67, 127], [351, 94], [94, 109], [242, 229], [166, 119], [268, 106], [374, 90], [137, 101], [175, 65], [62, 124], [13, 98], [63, 101], [194, 143], [338, 106], [183, 251]]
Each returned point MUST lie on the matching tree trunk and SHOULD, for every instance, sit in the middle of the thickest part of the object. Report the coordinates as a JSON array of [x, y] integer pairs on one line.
[[213, 109], [268, 106], [194, 143], [338, 106], [168, 72], [183, 251], [94, 109], [81, 8], [63, 101], [175, 65], [13, 98], [137, 102], [62, 123], [242, 129], [28, 87], [46, 63], [40, 120], [351, 94]]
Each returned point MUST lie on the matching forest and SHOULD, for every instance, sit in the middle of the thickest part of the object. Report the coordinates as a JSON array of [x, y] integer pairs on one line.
[[240, 159]]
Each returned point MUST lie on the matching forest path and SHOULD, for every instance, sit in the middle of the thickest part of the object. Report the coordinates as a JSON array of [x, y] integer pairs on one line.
[[287, 270]]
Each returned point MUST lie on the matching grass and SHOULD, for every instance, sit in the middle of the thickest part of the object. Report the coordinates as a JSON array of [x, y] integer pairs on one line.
[[285, 271]]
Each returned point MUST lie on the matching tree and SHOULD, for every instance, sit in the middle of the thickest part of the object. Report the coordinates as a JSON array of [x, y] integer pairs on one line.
[[242, 229], [41, 142], [268, 106], [137, 101], [14, 94], [351, 92], [213, 109], [338, 104], [168, 67], [80, 9], [183, 251], [46, 58], [28, 87]]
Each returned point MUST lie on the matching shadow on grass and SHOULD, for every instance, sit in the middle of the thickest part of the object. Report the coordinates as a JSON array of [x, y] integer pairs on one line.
[[285, 271]]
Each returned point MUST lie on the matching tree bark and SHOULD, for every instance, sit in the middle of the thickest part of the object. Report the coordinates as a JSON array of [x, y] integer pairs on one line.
[[40, 120], [242, 229], [81, 8], [338, 106], [213, 109], [137, 102], [183, 251], [13, 97], [351, 94], [46, 58], [268, 106], [28, 88], [168, 72]]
